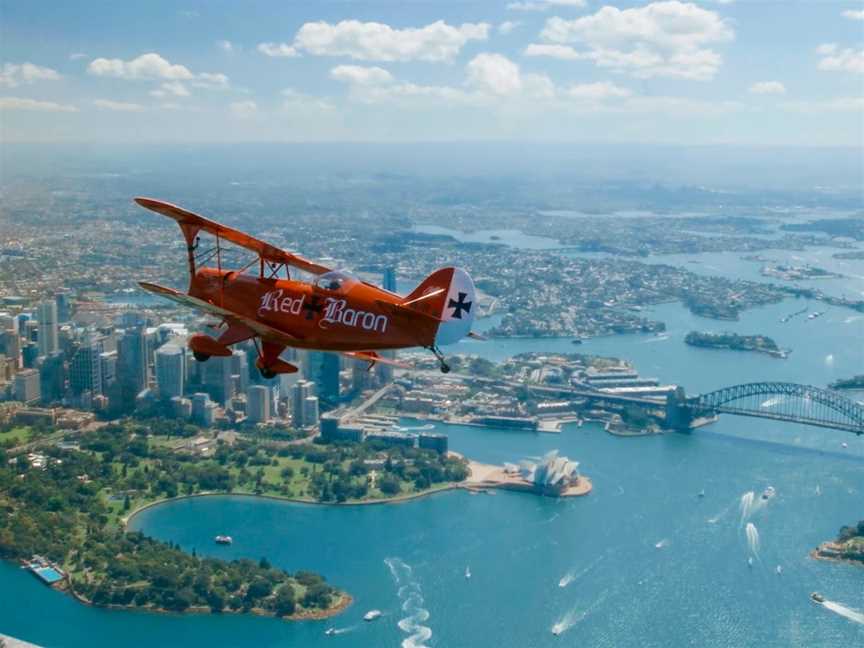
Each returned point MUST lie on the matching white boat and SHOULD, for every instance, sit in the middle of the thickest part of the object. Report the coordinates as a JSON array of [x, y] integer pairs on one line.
[[750, 562], [768, 493], [467, 572], [223, 539], [844, 445], [330, 631], [371, 615], [779, 570]]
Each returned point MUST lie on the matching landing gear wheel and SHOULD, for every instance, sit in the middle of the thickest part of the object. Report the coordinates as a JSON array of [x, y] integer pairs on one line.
[[201, 357], [267, 372], [445, 368]]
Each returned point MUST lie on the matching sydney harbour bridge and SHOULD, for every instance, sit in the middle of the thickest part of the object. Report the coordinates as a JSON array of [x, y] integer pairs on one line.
[[780, 401]]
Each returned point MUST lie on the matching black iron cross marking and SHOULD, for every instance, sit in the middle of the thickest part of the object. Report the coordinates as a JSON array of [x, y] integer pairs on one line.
[[312, 306], [459, 306]]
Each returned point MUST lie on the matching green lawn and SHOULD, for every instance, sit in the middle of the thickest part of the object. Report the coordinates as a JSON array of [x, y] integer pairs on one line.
[[17, 435]]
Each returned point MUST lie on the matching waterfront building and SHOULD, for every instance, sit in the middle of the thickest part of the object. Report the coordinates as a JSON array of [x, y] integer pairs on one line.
[[258, 404], [170, 371], [26, 387], [553, 475], [46, 314], [392, 438]]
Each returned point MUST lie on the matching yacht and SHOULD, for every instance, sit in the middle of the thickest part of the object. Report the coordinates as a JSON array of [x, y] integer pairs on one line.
[[223, 539], [371, 615]]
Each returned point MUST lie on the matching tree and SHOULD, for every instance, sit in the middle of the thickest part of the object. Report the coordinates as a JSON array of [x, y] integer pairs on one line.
[[284, 604], [389, 485]]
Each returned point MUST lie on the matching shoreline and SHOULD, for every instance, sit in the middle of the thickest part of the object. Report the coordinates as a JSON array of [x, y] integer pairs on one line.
[[816, 554]]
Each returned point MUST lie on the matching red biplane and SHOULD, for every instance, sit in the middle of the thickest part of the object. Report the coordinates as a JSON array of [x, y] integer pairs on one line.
[[334, 312]]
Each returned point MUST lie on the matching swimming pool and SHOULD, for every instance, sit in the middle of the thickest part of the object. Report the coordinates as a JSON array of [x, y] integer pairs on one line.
[[48, 574]]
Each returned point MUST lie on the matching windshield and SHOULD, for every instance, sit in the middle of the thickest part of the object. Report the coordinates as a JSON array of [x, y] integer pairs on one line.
[[335, 281]]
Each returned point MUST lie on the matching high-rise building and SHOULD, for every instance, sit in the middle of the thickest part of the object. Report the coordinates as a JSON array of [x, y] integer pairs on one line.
[[389, 279], [63, 300], [203, 409], [299, 393], [258, 404], [323, 368], [26, 387], [217, 378], [170, 371], [29, 354], [132, 366], [240, 368], [85, 370], [46, 314], [310, 411], [52, 377], [108, 369]]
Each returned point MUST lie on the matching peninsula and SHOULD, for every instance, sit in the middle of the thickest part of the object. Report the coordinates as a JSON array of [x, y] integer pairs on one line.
[[757, 343], [848, 547]]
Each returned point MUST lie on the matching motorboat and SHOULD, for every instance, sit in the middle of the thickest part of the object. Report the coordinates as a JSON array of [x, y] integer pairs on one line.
[[223, 539], [817, 597], [467, 572], [701, 493], [371, 615], [768, 493], [330, 631]]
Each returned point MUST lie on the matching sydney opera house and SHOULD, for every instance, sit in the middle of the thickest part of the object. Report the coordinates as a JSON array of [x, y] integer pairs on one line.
[[553, 475]]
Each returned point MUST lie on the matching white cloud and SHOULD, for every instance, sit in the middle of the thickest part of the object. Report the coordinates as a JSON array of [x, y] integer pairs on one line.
[[300, 102], [120, 106], [371, 41], [596, 91], [361, 75], [854, 14], [662, 39], [211, 80], [767, 87], [839, 104], [77, 56], [19, 103], [171, 89], [835, 59], [146, 66], [226, 46], [278, 50], [543, 5], [14, 74], [508, 26], [494, 73], [243, 109]]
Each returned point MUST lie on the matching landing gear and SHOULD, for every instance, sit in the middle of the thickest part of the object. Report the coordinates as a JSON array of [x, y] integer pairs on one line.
[[200, 357], [442, 362], [267, 372]]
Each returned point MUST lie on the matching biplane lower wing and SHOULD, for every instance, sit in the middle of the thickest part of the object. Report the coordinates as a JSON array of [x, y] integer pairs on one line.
[[263, 249], [264, 331], [374, 358]]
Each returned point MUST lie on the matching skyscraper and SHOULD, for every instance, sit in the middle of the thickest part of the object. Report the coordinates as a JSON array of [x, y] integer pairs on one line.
[[26, 387], [217, 378], [170, 371], [52, 377], [299, 393], [389, 279], [85, 371], [132, 367], [46, 313], [63, 299], [310, 411], [323, 369], [258, 404]]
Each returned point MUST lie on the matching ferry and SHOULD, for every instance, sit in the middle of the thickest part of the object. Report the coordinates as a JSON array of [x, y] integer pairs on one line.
[[223, 539], [817, 597], [371, 615]]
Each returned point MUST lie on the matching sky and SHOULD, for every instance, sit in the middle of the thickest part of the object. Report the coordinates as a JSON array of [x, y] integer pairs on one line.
[[747, 72]]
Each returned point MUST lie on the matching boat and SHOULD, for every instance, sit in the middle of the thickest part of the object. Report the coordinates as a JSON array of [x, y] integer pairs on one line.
[[330, 631], [750, 561], [223, 539], [779, 570], [467, 572], [701, 493], [844, 445], [371, 615], [575, 341], [768, 493], [817, 597], [557, 629]]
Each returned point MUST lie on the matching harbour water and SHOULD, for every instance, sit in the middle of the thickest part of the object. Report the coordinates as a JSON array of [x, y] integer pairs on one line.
[[644, 560]]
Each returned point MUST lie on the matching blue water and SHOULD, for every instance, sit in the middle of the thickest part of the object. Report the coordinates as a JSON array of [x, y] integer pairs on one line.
[[409, 559]]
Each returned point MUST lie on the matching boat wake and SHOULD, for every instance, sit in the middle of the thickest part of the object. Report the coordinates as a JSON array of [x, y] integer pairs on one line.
[[411, 596], [842, 610], [573, 575], [573, 616], [752, 539]]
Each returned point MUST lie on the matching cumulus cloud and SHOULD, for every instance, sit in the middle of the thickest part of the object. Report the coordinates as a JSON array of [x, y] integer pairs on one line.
[[19, 103], [243, 109], [662, 39], [543, 5], [226, 46], [494, 73], [171, 89], [361, 75], [300, 102], [147, 66], [508, 26], [767, 87], [282, 50], [120, 106], [854, 14], [14, 74], [835, 59], [372, 41], [596, 91]]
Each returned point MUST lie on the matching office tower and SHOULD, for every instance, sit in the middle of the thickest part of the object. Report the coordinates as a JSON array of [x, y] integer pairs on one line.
[[361, 377], [29, 354], [203, 409], [85, 370], [132, 368], [299, 393], [46, 314], [310, 411], [63, 302], [258, 404], [108, 369], [52, 377], [323, 369], [389, 279], [170, 371], [217, 378], [12, 348], [240, 368], [26, 387]]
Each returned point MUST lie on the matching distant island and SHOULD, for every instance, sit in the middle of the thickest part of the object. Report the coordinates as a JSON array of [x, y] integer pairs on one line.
[[796, 273], [757, 343], [855, 255], [855, 382], [849, 546]]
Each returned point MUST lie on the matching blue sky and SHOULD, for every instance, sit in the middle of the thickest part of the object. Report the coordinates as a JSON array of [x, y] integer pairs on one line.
[[709, 71]]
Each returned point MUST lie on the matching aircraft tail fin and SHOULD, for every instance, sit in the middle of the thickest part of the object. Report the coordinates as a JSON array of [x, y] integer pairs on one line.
[[448, 295]]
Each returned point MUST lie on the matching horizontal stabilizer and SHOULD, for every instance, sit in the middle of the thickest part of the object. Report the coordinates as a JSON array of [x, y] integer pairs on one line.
[[265, 250]]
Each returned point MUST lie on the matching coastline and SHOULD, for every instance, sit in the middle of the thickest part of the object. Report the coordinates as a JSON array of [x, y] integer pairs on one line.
[[821, 553]]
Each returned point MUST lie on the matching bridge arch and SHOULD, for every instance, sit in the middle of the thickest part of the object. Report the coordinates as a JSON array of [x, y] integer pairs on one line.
[[797, 403]]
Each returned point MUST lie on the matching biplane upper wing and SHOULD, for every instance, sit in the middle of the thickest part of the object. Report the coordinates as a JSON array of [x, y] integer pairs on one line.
[[265, 250], [259, 328]]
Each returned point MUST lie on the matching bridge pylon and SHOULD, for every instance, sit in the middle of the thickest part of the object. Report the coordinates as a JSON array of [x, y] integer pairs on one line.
[[679, 415]]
